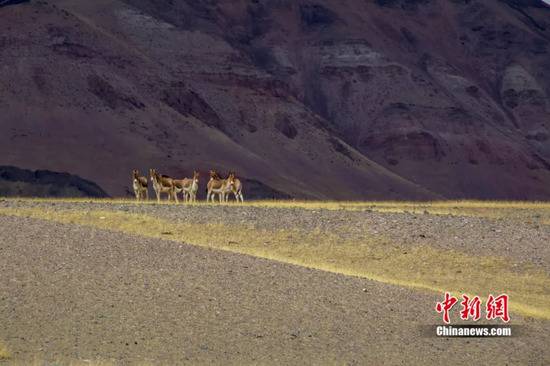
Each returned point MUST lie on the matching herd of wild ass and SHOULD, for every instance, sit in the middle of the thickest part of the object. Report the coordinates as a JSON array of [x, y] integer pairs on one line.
[[188, 187]]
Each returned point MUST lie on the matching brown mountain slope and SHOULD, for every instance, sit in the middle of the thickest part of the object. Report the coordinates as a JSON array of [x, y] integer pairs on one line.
[[452, 95], [272, 89], [98, 88]]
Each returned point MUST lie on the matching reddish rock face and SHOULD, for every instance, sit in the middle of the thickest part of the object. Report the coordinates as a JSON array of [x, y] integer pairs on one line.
[[327, 99]]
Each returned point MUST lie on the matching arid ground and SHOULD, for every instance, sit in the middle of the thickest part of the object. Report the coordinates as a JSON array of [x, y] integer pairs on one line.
[[270, 283]]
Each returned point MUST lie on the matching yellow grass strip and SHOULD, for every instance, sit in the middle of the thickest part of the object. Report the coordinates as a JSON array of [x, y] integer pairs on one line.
[[65, 362], [336, 205], [371, 257], [521, 210], [4, 353]]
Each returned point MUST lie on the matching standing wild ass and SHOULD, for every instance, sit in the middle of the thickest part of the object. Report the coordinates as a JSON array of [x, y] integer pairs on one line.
[[162, 184], [219, 186], [140, 185], [236, 188], [188, 187]]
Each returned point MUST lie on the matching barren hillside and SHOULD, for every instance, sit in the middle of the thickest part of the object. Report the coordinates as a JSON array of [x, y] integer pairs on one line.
[[326, 99]]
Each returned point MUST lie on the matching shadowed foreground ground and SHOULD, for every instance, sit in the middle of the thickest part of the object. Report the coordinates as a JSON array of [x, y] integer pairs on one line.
[[74, 293]]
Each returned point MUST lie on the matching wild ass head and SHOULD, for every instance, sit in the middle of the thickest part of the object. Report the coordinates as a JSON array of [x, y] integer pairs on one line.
[[214, 175], [231, 179]]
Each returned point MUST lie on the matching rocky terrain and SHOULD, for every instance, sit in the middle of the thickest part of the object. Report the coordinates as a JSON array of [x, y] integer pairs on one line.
[[326, 99], [43, 183], [78, 293]]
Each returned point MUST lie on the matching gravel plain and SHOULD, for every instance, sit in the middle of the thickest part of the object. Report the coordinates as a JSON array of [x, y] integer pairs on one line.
[[76, 293], [523, 239]]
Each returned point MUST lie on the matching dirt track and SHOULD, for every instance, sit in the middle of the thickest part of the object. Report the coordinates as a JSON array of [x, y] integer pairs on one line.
[[69, 292]]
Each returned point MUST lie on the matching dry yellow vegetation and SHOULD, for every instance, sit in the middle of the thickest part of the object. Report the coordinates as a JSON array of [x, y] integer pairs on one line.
[[64, 362], [373, 257], [490, 209], [4, 353]]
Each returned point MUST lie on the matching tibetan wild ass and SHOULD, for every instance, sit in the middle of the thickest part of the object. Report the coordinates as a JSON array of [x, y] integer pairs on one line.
[[236, 188], [217, 185], [188, 187], [140, 186], [162, 184]]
